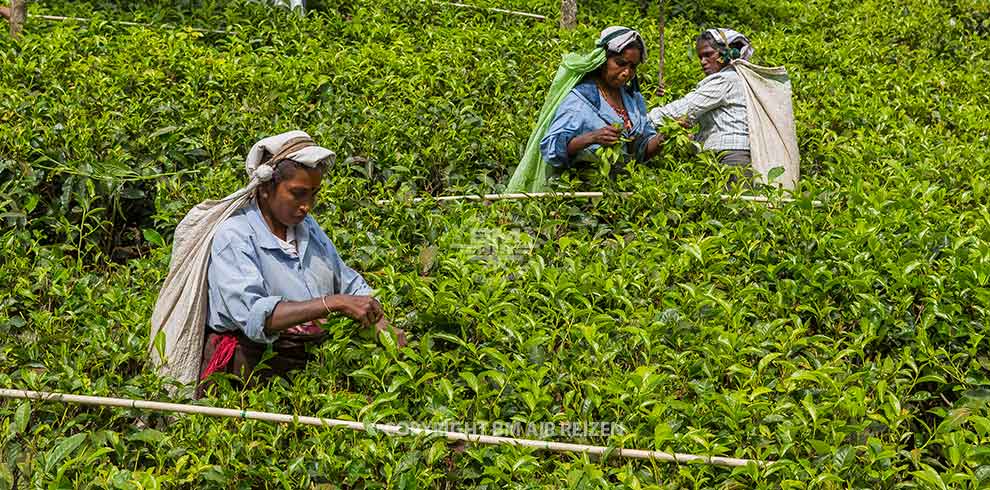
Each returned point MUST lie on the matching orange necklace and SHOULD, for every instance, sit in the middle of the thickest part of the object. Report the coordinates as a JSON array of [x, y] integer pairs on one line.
[[627, 123]]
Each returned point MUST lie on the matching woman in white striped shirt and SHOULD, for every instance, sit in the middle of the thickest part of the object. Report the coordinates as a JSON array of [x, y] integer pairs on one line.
[[718, 104]]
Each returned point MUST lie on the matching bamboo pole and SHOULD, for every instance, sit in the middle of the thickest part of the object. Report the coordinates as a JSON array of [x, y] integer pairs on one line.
[[582, 195], [18, 15], [493, 9], [60, 18], [392, 430]]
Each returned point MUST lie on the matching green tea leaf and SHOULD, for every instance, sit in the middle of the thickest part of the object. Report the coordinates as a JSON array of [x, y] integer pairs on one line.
[[153, 237], [64, 448], [160, 345], [471, 380], [21, 417], [774, 173], [151, 436]]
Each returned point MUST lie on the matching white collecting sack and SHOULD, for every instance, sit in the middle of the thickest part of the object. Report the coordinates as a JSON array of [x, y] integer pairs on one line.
[[294, 5], [772, 135], [180, 312]]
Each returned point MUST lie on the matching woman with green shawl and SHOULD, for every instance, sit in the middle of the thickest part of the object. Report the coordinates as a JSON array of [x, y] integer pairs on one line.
[[594, 101]]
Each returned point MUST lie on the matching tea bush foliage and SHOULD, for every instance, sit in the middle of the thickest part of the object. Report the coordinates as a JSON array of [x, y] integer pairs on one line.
[[846, 342]]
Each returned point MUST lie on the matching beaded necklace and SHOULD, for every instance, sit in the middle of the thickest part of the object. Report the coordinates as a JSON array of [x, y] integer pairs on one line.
[[627, 123]]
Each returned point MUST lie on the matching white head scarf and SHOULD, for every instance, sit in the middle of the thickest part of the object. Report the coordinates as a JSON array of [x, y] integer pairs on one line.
[[299, 146], [729, 37], [617, 38]]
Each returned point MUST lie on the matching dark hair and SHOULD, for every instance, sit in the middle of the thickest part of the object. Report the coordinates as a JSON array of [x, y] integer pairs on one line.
[[287, 168], [707, 37]]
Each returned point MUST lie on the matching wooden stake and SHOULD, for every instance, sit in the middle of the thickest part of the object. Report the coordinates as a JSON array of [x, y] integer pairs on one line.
[[392, 430], [18, 15], [568, 14]]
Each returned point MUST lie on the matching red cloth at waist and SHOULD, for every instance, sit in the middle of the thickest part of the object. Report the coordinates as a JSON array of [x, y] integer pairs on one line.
[[224, 345], [223, 351]]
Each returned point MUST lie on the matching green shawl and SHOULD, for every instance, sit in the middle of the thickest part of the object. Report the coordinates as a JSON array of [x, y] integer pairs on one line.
[[531, 174]]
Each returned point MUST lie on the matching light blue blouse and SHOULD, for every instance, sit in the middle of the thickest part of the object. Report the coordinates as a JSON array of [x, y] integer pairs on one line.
[[250, 273], [585, 110]]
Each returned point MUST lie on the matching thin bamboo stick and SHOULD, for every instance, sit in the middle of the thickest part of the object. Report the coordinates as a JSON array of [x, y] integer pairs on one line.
[[582, 195], [493, 9], [124, 23], [559, 447], [661, 88]]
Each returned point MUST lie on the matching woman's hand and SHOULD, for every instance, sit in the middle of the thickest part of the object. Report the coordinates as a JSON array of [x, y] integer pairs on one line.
[[287, 314], [364, 309], [654, 146], [606, 136], [383, 326]]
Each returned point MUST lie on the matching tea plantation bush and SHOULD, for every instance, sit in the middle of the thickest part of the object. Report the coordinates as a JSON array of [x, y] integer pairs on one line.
[[846, 342]]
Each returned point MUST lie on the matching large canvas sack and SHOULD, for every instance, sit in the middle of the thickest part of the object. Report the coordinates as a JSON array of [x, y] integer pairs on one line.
[[772, 135], [294, 5], [180, 312]]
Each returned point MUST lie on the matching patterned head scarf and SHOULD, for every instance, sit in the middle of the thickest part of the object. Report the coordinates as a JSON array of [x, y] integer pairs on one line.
[[617, 38], [730, 44]]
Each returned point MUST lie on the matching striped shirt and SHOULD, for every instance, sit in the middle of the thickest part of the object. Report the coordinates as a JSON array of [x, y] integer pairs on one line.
[[718, 106]]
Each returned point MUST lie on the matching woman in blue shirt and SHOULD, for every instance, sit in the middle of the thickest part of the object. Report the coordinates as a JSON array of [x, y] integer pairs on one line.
[[589, 96], [610, 95], [274, 275]]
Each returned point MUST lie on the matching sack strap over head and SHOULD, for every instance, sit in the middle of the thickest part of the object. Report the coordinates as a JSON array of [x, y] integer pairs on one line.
[[291, 146], [603, 42]]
